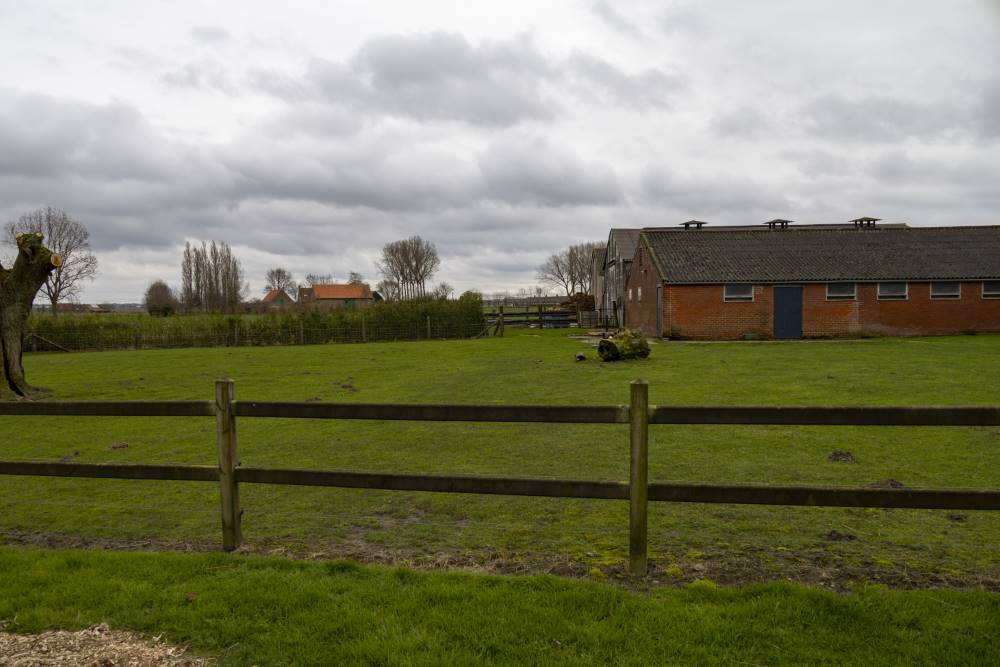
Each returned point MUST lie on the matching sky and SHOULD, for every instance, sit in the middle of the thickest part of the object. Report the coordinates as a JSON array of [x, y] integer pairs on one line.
[[309, 134]]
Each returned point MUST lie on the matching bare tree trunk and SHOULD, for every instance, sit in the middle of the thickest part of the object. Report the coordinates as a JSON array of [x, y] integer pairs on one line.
[[18, 287]]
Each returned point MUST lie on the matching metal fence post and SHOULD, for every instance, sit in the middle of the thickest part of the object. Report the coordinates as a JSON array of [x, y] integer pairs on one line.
[[229, 491], [638, 477]]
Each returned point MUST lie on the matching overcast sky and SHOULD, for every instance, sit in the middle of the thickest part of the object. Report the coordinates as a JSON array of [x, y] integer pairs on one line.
[[309, 134]]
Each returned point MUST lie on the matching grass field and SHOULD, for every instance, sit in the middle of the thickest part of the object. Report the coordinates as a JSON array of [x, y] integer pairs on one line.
[[727, 544], [260, 611]]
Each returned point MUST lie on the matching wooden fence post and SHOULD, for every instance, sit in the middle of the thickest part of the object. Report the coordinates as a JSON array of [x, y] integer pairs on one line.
[[500, 321], [541, 317], [428, 327], [302, 333], [229, 491], [364, 329], [638, 478]]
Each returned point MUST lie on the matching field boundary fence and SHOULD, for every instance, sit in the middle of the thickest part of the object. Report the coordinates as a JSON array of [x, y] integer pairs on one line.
[[296, 334], [638, 490]]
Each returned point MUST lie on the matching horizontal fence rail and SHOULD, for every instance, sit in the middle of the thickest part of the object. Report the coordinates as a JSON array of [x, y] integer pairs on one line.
[[109, 408], [445, 413], [638, 490], [839, 416], [111, 470]]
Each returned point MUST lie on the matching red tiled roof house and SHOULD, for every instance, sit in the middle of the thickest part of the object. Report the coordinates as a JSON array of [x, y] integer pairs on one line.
[[336, 297]]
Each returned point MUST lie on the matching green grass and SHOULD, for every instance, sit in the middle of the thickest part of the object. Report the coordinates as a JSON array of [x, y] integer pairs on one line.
[[249, 610], [729, 544]]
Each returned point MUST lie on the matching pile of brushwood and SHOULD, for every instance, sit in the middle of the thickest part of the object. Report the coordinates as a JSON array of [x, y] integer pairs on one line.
[[624, 344]]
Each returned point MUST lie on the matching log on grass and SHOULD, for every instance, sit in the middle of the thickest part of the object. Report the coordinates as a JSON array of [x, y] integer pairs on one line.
[[624, 344]]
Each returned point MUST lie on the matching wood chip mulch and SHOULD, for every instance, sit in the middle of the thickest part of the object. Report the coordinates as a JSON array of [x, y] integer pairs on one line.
[[97, 646]]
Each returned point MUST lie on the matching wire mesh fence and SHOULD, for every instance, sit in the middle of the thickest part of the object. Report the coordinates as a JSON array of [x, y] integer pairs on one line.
[[70, 340]]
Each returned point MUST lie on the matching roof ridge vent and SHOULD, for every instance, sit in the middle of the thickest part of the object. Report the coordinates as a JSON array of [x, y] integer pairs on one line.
[[778, 223], [865, 221], [697, 224]]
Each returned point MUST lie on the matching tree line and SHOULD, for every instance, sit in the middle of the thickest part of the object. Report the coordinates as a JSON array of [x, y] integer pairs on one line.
[[212, 278]]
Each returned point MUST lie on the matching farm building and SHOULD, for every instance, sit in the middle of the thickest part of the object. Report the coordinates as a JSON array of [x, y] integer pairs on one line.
[[277, 299], [617, 260], [814, 281], [336, 297]]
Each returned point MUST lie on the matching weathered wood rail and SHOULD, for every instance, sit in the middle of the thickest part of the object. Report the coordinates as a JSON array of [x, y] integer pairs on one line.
[[229, 474]]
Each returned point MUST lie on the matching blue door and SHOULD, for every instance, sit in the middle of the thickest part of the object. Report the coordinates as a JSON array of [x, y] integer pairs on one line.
[[788, 311]]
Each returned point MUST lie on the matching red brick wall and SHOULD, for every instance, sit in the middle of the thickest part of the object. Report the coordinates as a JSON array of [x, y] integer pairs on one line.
[[698, 311], [641, 315]]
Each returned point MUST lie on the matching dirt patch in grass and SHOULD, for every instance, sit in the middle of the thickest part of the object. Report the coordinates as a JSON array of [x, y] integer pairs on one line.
[[97, 646], [842, 457], [818, 567]]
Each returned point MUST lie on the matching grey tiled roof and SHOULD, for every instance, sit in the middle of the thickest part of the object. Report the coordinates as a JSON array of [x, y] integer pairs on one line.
[[625, 241], [826, 255]]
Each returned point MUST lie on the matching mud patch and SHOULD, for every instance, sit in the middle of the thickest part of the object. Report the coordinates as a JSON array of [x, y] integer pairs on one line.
[[887, 484], [842, 457], [837, 536]]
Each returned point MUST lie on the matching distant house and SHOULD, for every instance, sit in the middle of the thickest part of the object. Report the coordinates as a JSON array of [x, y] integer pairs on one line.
[[818, 280], [87, 308], [336, 297], [277, 299]]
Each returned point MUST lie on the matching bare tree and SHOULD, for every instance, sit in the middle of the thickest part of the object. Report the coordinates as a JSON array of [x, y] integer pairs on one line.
[[410, 263], [355, 278], [70, 240], [569, 269], [443, 291], [281, 279], [389, 289], [211, 279], [160, 299], [319, 279], [581, 261], [556, 271]]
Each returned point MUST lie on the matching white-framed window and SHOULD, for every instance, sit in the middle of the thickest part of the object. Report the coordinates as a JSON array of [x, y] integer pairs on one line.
[[946, 290], [892, 291], [629, 293], [737, 292], [991, 289], [841, 291], [638, 294]]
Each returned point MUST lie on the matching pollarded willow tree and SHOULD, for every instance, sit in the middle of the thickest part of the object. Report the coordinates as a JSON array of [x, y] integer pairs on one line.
[[18, 286]]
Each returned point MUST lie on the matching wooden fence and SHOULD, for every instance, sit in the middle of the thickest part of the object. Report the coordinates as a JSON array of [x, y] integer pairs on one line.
[[229, 474]]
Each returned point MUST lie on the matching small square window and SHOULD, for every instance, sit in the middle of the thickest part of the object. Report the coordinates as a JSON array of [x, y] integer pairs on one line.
[[991, 289], [738, 292], [892, 291], [841, 291], [946, 290]]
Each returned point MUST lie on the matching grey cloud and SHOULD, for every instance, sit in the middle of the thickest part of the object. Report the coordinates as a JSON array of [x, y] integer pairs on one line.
[[210, 34], [684, 20], [518, 171], [650, 88], [987, 112], [613, 18], [204, 75], [443, 77], [429, 77], [41, 136], [741, 200], [877, 119], [744, 122]]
